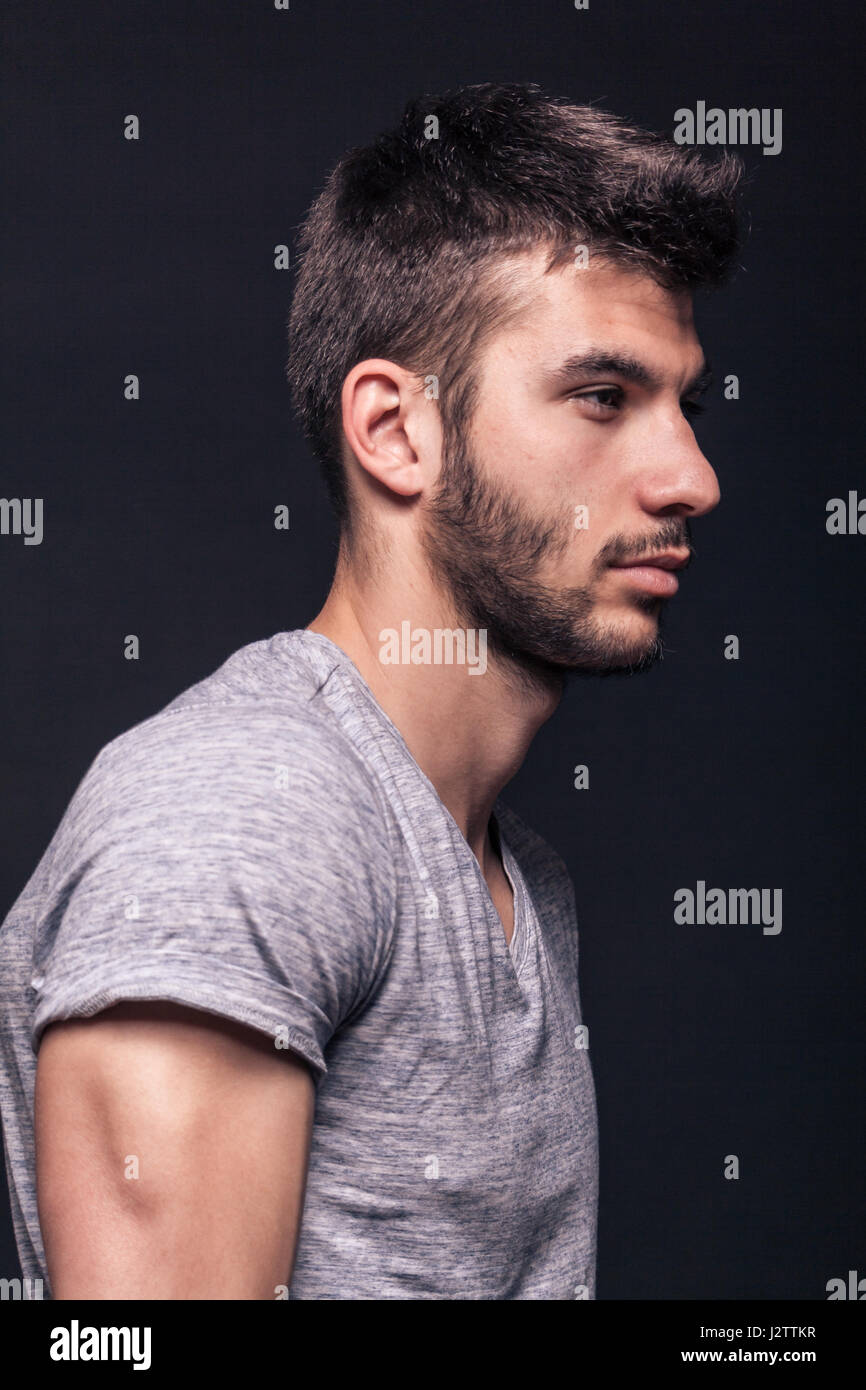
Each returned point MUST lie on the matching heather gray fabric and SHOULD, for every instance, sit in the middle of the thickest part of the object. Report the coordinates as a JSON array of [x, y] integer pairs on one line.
[[267, 848]]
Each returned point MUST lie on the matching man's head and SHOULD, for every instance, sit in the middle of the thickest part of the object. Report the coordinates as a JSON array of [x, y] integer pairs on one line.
[[494, 358]]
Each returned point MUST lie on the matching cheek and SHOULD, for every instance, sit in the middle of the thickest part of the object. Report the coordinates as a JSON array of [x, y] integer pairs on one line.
[[550, 463], [516, 436], [590, 474], [580, 492], [576, 455], [515, 450]]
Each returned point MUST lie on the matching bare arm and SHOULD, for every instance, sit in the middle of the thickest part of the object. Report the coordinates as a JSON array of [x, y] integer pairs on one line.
[[216, 1122]]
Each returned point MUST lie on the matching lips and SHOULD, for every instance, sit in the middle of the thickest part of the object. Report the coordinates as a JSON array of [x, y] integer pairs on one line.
[[654, 573], [665, 560]]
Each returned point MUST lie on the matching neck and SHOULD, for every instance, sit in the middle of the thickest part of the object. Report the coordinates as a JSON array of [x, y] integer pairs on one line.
[[469, 733]]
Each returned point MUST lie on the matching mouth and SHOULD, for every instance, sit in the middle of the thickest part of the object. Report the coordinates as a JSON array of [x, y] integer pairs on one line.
[[655, 573]]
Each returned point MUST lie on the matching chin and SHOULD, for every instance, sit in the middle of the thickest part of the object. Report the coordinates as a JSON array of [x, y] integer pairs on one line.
[[623, 648]]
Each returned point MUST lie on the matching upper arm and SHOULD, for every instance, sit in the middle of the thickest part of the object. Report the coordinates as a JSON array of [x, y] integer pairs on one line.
[[172, 1151]]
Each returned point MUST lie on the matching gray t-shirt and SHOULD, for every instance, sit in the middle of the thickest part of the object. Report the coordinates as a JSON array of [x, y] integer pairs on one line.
[[267, 848]]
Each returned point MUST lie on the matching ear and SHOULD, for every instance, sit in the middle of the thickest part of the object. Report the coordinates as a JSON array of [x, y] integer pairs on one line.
[[377, 401]]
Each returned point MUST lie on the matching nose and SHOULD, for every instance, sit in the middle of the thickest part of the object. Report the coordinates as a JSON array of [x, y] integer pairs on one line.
[[676, 479]]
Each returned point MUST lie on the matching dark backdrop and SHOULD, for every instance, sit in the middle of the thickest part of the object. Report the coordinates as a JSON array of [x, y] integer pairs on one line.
[[155, 257]]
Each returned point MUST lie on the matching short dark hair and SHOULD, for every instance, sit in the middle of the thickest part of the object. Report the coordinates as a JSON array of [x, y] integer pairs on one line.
[[397, 256]]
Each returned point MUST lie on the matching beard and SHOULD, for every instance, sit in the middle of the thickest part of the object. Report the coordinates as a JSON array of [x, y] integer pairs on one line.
[[485, 550]]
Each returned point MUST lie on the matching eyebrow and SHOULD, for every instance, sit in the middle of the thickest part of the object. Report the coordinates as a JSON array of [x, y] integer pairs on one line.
[[595, 362]]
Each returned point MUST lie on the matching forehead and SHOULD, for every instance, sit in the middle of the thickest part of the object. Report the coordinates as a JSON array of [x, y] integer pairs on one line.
[[567, 308]]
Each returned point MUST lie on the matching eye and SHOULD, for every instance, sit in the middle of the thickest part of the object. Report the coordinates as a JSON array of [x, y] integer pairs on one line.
[[691, 409], [601, 399]]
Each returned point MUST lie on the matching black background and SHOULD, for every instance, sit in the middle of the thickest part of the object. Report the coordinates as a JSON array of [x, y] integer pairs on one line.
[[156, 257]]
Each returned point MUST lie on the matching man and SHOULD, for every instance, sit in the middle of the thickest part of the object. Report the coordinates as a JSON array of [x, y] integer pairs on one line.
[[302, 989]]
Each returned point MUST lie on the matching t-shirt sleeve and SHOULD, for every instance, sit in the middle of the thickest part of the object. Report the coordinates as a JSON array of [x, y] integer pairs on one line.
[[232, 859]]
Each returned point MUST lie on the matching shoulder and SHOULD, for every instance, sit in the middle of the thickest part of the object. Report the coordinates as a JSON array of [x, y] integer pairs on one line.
[[250, 746]]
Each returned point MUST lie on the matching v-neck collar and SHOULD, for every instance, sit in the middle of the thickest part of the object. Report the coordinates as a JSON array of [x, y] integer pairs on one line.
[[516, 948]]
